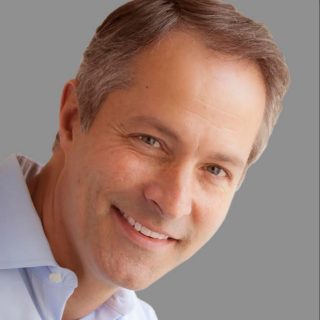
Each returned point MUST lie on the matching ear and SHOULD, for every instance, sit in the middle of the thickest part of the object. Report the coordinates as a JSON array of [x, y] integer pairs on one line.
[[69, 119]]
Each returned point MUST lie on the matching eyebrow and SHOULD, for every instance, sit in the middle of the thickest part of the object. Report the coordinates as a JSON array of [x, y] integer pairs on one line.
[[155, 123], [233, 159]]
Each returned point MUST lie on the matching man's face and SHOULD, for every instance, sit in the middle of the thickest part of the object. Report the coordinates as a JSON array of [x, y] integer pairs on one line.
[[164, 157]]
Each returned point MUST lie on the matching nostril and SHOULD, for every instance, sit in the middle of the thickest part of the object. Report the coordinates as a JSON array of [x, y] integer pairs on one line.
[[169, 196], [157, 206]]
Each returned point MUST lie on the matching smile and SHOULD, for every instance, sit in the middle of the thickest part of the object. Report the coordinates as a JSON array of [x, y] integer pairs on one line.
[[144, 230]]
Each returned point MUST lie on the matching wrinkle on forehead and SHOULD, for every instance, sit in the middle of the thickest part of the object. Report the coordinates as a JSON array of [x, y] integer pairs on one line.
[[211, 120], [201, 93]]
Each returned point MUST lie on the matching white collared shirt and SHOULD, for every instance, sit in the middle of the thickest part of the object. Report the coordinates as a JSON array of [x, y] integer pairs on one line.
[[32, 285]]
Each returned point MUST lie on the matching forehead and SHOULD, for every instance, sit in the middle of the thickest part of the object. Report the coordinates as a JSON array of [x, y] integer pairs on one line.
[[181, 64], [201, 94]]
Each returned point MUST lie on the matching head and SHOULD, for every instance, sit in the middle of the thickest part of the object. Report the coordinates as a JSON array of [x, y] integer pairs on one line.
[[138, 24], [172, 102]]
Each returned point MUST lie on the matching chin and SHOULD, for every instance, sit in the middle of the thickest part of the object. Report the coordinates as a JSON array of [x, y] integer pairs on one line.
[[134, 278], [133, 270], [135, 286], [131, 282], [139, 279]]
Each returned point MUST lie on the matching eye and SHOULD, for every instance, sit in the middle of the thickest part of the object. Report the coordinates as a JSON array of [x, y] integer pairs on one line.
[[217, 171], [151, 141]]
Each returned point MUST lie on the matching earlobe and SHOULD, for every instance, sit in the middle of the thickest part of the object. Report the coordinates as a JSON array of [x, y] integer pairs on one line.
[[69, 120]]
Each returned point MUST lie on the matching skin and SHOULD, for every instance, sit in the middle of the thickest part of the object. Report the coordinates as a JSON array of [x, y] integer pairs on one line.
[[169, 151]]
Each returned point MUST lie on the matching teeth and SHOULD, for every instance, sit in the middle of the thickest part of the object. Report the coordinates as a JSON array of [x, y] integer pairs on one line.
[[142, 229], [137, 226], [146, 231], [131, 221]]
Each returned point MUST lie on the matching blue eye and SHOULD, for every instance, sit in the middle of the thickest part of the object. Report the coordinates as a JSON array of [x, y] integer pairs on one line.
[[217, 171], [150, 140]]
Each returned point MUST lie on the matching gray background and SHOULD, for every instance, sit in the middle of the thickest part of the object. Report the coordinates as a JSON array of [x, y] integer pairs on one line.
[[263, 263]]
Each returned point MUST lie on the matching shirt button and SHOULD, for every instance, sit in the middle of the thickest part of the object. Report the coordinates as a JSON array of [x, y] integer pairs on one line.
[[55, 277]]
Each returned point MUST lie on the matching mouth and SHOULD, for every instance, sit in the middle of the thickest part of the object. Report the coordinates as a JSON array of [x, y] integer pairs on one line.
[[139, 233]]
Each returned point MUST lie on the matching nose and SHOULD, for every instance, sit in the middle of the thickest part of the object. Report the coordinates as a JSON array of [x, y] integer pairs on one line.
[[170, 192]]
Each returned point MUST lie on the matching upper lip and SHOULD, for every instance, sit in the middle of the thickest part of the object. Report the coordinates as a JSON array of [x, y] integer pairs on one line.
[[152, 228]]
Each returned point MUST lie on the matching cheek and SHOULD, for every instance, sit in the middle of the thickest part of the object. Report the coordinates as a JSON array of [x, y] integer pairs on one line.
[[210, 216], [121, 169]]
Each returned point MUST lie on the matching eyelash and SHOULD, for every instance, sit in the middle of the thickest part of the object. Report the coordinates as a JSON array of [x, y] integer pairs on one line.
[[225, 174], [145, 138]]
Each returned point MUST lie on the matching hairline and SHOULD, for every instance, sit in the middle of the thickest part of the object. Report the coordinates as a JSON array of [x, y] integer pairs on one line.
[[129, 71]]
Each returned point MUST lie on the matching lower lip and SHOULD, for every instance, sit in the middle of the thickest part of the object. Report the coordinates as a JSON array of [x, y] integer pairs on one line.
[[137, 237]]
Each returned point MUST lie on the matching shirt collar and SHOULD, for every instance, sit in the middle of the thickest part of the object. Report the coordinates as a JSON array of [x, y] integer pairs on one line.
[[122, 302], [22, 239]]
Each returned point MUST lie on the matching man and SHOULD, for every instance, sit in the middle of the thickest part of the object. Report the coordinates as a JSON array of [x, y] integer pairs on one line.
[[173, 101]]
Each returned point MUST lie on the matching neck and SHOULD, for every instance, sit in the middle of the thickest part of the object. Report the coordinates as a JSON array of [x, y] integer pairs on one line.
[[90, 293]]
